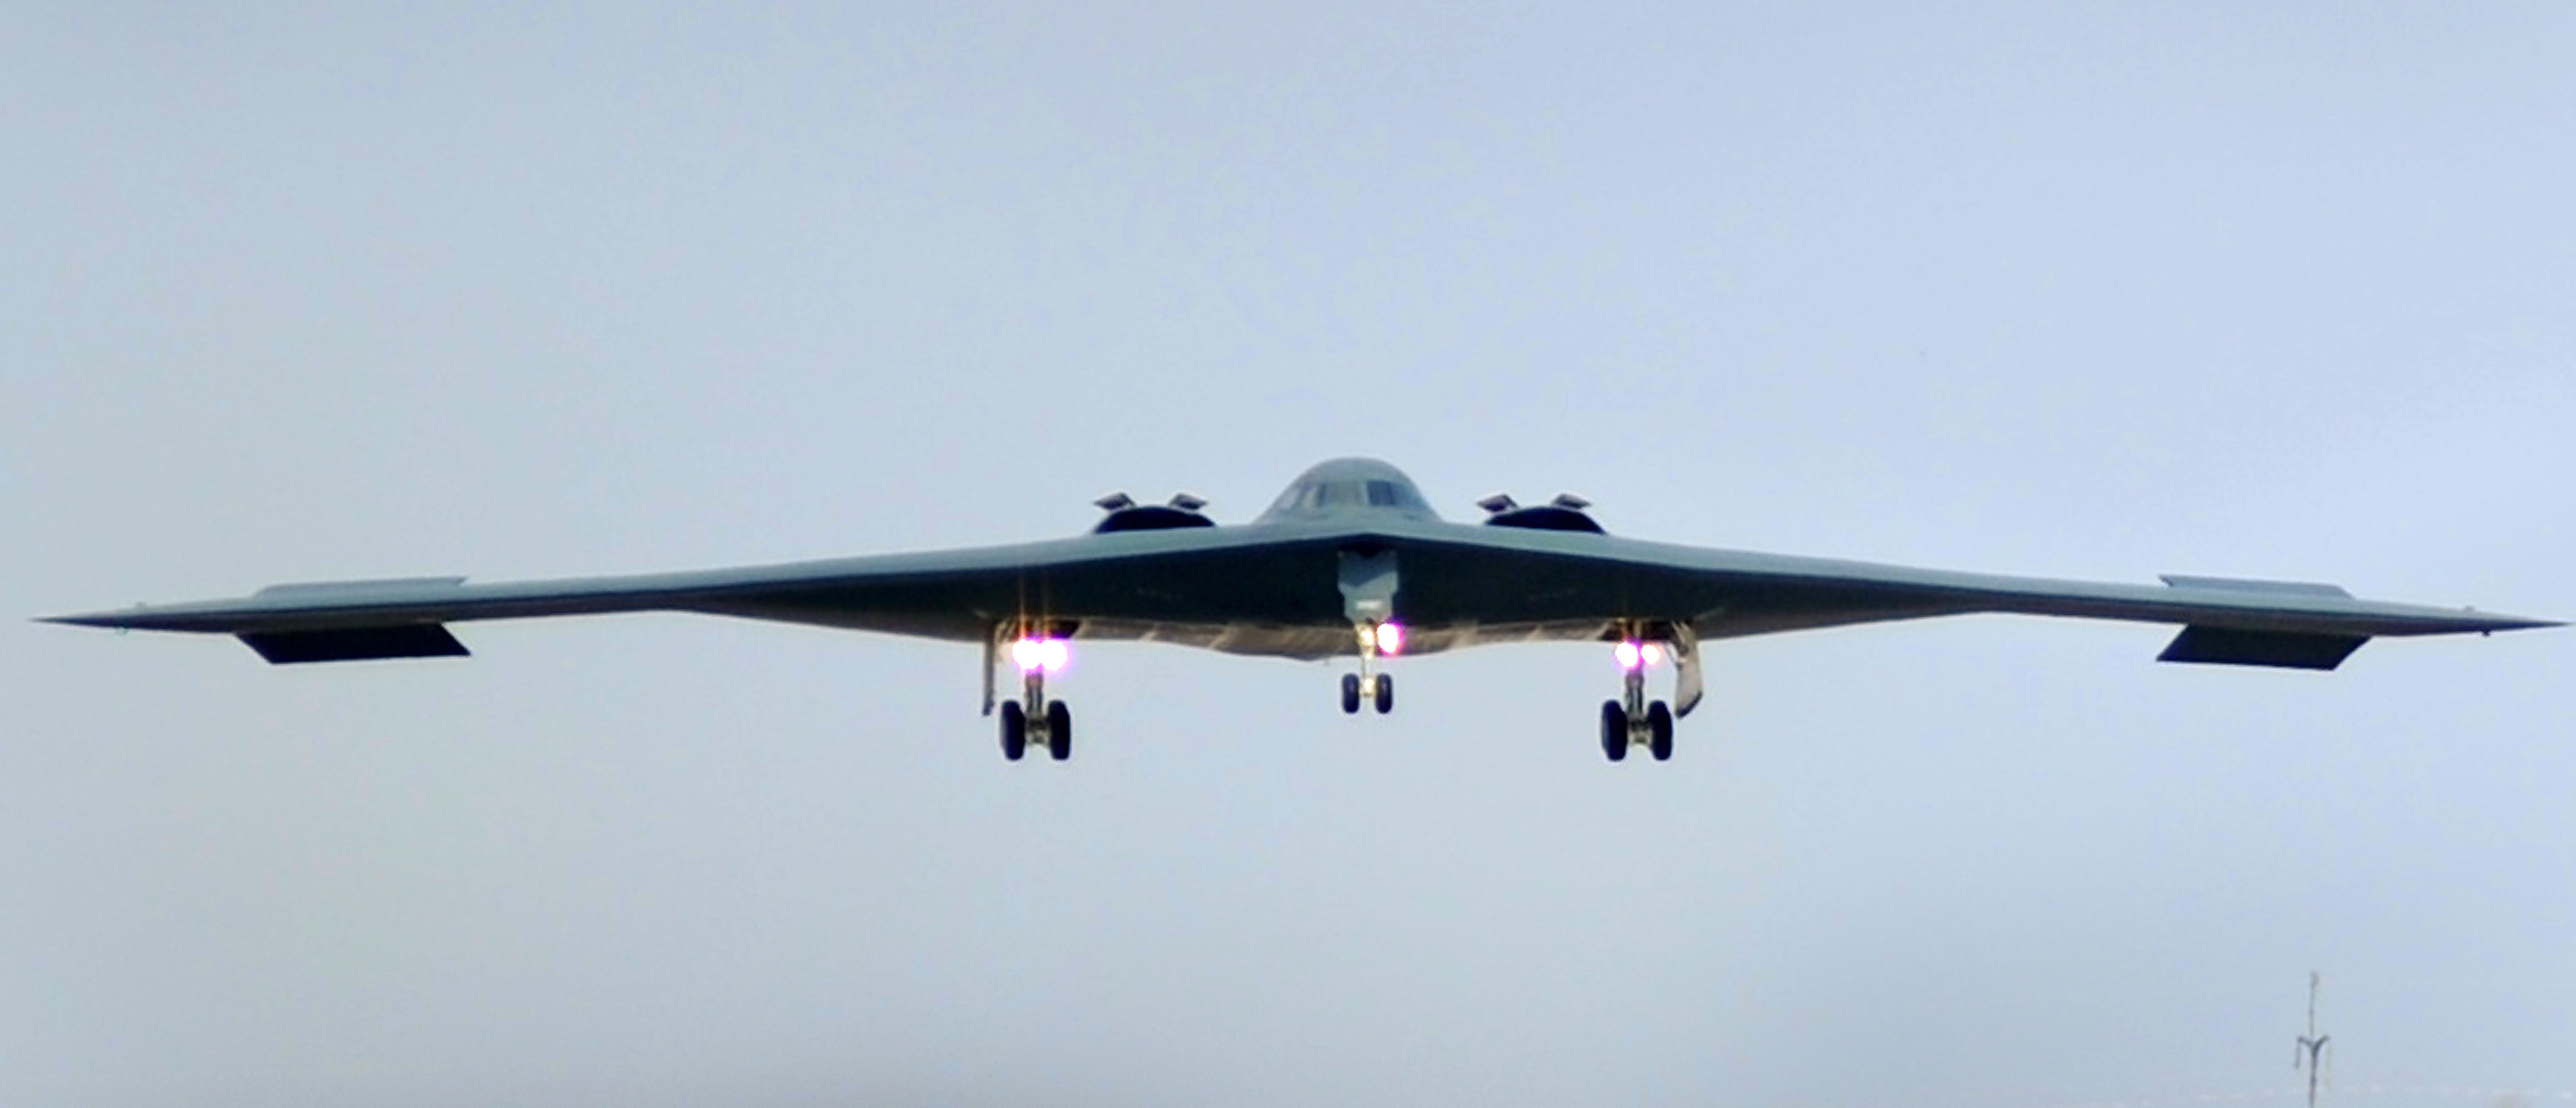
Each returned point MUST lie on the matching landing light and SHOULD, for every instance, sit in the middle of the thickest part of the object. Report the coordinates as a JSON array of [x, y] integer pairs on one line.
[[1047, 654], [1630, 655], [1390, 638]]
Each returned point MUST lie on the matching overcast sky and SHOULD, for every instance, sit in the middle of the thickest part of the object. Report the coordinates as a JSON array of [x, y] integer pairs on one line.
[[2096, 291]]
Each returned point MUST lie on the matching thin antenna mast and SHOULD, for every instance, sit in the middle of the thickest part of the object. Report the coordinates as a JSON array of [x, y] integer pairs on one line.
[[2312, 1046]]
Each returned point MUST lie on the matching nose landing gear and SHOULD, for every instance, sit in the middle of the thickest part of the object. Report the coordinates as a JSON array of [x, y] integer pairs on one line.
[[1377, 689], [1368, 684]]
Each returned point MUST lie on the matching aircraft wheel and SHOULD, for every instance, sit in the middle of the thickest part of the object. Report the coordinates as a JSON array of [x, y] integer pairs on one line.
[[1385, 693], [1059, 720], [1015, 730], [1659, 730], [1614, 730], [1351, 694]]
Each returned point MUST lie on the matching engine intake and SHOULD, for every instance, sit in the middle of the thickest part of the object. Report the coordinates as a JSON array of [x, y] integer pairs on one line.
[[1125, 514], [1565, 513]]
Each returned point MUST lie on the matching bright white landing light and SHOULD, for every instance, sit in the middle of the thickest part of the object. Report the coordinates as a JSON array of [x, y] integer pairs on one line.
[[1047, 654], [1630, 655], [1390, 638]]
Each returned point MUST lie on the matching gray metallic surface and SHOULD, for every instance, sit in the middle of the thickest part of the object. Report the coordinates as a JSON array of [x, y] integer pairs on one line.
[[1271, 588]]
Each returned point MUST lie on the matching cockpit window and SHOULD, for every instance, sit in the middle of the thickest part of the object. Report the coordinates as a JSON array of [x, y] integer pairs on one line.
[[1317, 494]]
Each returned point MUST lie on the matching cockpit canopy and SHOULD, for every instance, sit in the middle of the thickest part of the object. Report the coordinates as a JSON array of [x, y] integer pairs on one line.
[[1350, 485]]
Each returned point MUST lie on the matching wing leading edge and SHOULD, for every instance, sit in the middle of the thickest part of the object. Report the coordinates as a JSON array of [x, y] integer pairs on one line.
[[1459, 585]]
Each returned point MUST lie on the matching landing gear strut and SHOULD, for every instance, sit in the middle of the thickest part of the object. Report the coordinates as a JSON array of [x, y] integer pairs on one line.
[[1034, 717], [1368, 684], [1631, 720], [1368, 584]]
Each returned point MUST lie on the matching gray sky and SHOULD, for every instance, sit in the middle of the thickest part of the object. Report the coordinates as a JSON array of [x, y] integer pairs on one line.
[[2097, 291]]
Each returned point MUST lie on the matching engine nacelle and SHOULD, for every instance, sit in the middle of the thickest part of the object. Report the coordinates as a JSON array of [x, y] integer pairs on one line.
[[1565, 513], [1125, 514]]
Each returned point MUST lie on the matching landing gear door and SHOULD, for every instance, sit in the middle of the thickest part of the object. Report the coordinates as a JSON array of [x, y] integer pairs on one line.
[[1688, 686], [1368, 584], [992, 662]]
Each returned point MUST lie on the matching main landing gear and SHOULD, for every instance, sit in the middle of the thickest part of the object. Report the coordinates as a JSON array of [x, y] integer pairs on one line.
[[1369, 685], [1630, 720], [1033, 717]]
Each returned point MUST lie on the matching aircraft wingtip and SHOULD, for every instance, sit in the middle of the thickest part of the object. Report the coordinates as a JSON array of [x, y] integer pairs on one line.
[[2491, 622], [89, 620], [137, 618]]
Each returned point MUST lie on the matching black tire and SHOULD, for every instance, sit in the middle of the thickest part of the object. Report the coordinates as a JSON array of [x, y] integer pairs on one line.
[[1059, 730], [1659, 729], [1350, 694], [1385, 693], [1614, 730], [1015, 730]]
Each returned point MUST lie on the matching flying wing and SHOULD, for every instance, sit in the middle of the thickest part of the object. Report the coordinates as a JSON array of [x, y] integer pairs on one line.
[[1271, 589], [1351, 562]]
